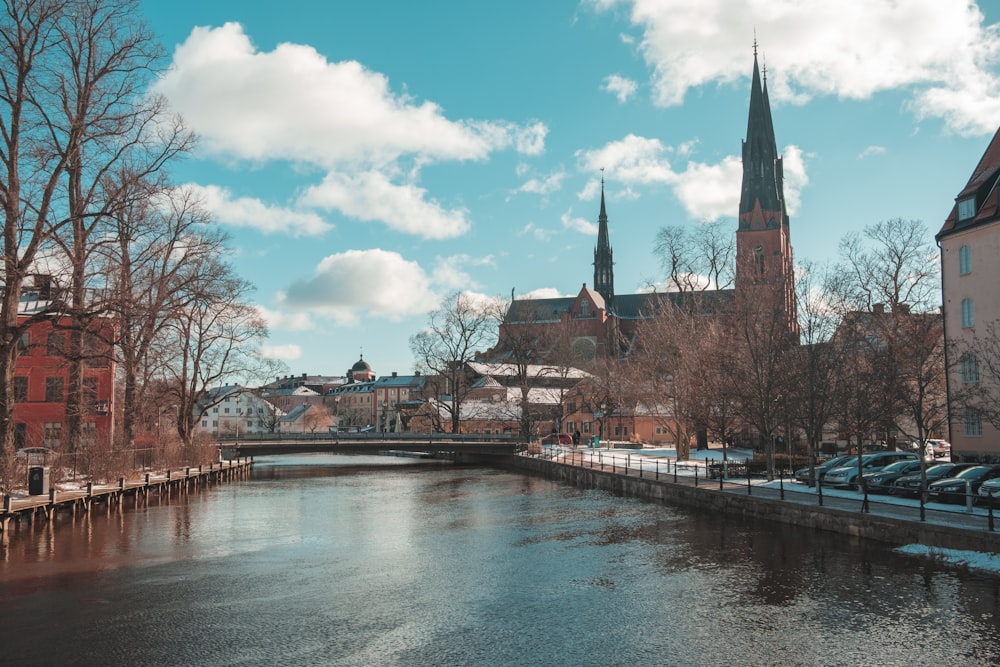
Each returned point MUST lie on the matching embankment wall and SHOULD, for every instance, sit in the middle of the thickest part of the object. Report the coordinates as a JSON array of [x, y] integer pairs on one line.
[[741, 505]]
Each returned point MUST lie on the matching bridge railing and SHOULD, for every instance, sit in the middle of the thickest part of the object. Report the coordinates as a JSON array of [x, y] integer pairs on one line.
[[370, 436]]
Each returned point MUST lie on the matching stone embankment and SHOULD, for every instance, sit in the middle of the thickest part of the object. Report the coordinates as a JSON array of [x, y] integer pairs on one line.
[[884, 522]]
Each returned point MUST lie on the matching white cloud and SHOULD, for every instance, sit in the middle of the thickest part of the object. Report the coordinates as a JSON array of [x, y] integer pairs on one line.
[[543, 293], [372, 196], [293, 104], [543, 186], [377, 282], [938, 51], [578, 224], [289, 352], [869, 151], [631, 160], [710, 191], [707, 191], [253, 213], [619, 86], [449, 272], [538, 233], [275, 319]]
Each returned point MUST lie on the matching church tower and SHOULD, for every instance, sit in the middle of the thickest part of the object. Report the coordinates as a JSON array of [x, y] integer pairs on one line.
[[604, 272], [763, 246]]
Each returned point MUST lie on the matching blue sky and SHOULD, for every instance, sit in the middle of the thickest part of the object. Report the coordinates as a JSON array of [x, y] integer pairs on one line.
[[369, 158]]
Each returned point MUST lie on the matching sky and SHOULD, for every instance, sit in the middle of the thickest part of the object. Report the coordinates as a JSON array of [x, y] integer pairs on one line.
[[370, 158]]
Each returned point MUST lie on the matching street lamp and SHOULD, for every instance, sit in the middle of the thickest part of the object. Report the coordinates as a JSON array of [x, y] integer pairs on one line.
[[237, 420]]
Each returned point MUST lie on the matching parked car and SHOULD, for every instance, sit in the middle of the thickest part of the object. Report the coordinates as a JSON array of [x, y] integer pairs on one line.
[[909, 485], [990, 489], [881, 481], [954, 489], [941, 448], [847, 475], [802, 475], [557, 439]]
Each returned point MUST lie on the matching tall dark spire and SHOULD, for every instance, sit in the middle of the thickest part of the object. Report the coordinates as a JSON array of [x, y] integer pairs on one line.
[[762, 168], [604, 273]]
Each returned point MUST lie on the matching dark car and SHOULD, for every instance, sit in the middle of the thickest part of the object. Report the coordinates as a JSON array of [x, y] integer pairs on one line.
[[909, 485], [881, 481], [802, 475], [954, 489], [557, 439]]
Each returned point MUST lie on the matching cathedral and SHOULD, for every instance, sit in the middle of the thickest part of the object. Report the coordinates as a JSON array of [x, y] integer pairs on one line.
[[598, 323]]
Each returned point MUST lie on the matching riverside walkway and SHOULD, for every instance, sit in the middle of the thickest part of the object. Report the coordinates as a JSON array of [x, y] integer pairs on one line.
[[44, 506], [886, 518]]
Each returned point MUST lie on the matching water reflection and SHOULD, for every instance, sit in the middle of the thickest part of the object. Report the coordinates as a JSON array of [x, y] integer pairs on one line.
[[343, 561]]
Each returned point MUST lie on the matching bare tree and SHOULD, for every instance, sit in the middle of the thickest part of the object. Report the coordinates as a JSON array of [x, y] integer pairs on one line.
[[455, 334], [215, 335], [30, 178], [696, 259], [105, 122], [815, 366], [761, 341], [159, 233]]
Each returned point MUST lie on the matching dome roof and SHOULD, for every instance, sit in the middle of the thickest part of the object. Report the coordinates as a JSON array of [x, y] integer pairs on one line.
[[361, 366]]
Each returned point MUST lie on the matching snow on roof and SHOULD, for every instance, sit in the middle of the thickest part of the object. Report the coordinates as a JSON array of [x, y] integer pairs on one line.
[[533, 370]]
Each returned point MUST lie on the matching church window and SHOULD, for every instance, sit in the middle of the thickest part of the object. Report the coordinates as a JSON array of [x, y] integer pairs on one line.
[[966, 208], [758, 258], [964, 260], [584, 308]]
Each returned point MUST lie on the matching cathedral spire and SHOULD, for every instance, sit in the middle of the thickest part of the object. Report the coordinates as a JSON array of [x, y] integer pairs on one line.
[[604, 276], [762, 168]]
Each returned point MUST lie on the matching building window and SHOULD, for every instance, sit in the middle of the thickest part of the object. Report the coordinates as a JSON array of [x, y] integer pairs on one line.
[[23, 343], [95, 349], [586, 427], [964, 260], [968, 314], [966, 208], [90, 391], [56, 344], [53, 390], [215, 423], [20, 435], [88, 434], [570, 427], [204, 423], [584, 308], [53, 435], [20, 389], [973, 422], [970, 368]]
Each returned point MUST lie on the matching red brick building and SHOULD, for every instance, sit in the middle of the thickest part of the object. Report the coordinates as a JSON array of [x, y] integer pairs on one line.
[[41, 381]]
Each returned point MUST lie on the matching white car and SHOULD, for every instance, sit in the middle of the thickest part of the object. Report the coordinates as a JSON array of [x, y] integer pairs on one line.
[[847, 475], [940, 448]]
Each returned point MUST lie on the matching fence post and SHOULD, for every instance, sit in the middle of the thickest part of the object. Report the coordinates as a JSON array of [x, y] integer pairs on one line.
[[696, 476], [657, 468], [781, 482], [990, 511], [749, 486], [640, 468]]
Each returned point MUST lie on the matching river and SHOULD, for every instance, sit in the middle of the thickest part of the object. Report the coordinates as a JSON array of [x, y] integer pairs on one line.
[[323, 560]]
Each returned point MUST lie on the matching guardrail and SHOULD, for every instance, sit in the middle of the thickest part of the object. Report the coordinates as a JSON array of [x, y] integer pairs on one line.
[[373, 436]]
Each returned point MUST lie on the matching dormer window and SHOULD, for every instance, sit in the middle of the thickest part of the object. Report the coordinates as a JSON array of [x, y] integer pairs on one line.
[[966, 208]]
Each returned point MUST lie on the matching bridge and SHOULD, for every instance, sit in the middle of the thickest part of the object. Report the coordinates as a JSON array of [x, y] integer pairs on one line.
[[461, 447]]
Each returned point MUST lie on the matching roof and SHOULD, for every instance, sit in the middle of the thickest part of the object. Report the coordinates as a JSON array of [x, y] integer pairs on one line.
[[533, 370], [982, 185], [401, 381]]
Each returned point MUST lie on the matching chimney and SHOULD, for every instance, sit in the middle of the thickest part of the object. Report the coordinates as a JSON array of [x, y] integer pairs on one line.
[[394, 374]]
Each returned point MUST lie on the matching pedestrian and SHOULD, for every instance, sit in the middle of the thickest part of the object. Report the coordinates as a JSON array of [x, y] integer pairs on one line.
[[576, 438]]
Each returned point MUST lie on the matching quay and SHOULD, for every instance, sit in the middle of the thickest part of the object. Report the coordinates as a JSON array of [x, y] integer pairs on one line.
[[30, 508], [943, 527]]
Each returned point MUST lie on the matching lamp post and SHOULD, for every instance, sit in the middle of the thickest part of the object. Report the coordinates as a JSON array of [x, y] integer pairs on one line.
[[237, 420]]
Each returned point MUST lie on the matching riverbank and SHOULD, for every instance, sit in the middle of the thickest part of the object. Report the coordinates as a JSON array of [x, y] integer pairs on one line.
[[645, 475], [45, 505]]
